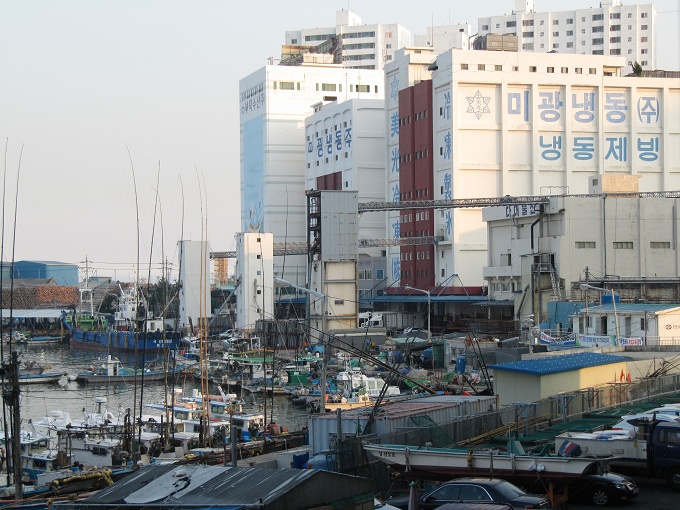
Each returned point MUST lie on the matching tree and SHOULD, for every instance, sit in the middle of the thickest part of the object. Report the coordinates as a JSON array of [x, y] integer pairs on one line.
[[637, 68]]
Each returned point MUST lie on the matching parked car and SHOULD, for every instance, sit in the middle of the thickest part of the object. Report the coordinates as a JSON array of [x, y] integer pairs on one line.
[[475, 490], [603, 490]]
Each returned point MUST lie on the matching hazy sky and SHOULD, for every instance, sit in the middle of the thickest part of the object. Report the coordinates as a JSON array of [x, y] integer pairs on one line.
[[84, 81]]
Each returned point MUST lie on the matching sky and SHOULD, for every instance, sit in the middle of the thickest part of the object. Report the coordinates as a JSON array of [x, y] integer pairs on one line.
[[119, 119]]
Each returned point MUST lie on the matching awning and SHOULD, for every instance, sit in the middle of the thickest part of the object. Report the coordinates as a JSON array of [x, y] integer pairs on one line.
[[499, 302], [29, 313], [422, 298]]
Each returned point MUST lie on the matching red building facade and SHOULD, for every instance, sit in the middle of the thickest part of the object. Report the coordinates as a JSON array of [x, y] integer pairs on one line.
[[416, 177]]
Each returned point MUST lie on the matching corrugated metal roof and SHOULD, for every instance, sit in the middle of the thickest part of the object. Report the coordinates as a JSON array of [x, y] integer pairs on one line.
[[557, 364], [631, 308], [195, 486]]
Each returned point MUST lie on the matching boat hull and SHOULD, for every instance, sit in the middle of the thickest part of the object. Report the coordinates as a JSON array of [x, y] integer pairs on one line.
[[130, 378], [452, 462], [47, 378], [122, 341]]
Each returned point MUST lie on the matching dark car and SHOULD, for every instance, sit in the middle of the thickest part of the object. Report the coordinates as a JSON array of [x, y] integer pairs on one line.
[[602, 490], [475, 490]]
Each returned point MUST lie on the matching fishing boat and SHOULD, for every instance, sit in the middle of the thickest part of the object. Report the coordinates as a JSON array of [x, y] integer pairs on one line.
[[39, 340], [451, 462], [34, 373], [134, 329], [113, 371]]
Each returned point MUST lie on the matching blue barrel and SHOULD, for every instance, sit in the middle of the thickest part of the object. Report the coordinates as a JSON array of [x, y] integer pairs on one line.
[[461, 361]]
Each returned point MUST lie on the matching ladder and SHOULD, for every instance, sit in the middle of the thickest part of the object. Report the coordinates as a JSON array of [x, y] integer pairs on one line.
[[555, 283]]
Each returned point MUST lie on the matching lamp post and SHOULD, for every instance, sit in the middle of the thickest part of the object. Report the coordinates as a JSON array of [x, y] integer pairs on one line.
[[429, 332], [585, 286]]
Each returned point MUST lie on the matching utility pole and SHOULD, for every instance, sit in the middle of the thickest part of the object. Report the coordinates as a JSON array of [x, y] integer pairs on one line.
[[16, 425]]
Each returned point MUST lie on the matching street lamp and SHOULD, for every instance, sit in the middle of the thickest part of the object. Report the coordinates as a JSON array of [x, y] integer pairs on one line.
[[585, 286], [429, 332]]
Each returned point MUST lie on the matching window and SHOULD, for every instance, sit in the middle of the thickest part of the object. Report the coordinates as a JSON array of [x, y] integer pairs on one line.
[[599, 40], [542, 45], [532, 69], [556, 22], [643, 63], [528, 46], [485, 27], [614, 39], [623, 245], [527, 34], [570, 33], [551, 69], [615, 15], [592, 70], [570, 21], [643, 27], [615, 28], [583, 43], [578, 70], [528, 23], [498, 67], [583, 30], [615, 51], [516, 68], [328, 87], [365, 293], [379, 274], [541, 22], [565, 70], [598, 17], [660, 245], [570, 45], [363, 88], [598, 29], [287, 85], [585, 245], [556, 34], [511, 24], [556, 45], [643, 39], [498, 25], [542, 34], [583, 19], [643, 51], [365, 274], [481, 67], [464, 67], [293, 41], [339, 302], [642, 15]]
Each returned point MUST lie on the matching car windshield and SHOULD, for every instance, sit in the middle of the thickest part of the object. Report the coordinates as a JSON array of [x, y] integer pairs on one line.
[[509, 490]]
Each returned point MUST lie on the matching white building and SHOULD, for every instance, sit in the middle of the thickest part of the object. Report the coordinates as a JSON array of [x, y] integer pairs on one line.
[[611, 28], [539, 253], [275, 101], [254, 271], [372, 46], [535, 124], [194, 277]]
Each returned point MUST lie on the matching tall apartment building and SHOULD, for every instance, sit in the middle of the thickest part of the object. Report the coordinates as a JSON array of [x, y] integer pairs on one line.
[[275, 101], [359, 46], [612, 29]]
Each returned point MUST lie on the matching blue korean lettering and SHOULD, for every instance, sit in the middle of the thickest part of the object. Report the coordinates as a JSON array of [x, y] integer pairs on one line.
[[648, 110], [394, 124], [395, 193], [449, 221], [584, 109], [394, 88], [348, 137], [319, 147], [584, 147], [396, 228], [550, 105], [396, 269], [553, 147], [329, 143], [648, 150], [447, 105], [448, 188], [310, 147], [395, 160], [516, 106], [338, 140], [618, 148], [447, 145], [615, 107]]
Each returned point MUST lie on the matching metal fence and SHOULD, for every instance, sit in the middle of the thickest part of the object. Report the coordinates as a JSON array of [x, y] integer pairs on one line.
[[529, 417]]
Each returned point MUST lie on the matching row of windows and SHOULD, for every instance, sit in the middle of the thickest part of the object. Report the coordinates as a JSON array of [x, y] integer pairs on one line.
[[407, 195], [337, 157], [309, 38], [335, 128], [421, 274], [359, 46], [482, 67], [570, 33], [568, 21], [367, 56], [624, 245], [356, 35]]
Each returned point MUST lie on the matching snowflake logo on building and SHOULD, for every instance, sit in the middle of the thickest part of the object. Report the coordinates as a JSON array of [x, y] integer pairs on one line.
[[394, 88], [449, 222], [478, 104]]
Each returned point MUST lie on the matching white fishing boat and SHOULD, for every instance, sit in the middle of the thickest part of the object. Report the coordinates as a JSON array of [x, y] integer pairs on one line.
[[460, 461]]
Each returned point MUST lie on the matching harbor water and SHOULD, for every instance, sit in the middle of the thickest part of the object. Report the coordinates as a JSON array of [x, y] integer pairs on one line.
[[38, 400]]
